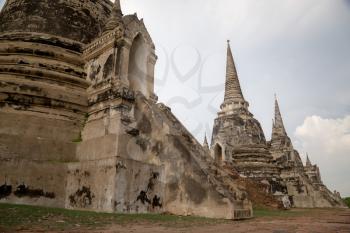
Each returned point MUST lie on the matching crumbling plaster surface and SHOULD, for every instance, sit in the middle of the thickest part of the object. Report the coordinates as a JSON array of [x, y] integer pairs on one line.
[[33, 183], [190, 182], [80, 20]]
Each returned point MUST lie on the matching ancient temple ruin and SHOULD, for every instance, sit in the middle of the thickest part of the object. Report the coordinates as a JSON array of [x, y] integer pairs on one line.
[[81, 126], [239, 140]]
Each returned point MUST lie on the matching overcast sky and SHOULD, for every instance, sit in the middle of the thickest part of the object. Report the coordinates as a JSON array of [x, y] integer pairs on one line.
[[297, 49]]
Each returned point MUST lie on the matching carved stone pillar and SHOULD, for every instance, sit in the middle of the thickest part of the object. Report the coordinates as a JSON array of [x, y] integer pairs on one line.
[[123, 61], [151, 62]]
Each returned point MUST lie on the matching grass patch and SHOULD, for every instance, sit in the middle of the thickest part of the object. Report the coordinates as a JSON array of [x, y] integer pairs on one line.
[[22, 217], [264, 212], [299, 212]]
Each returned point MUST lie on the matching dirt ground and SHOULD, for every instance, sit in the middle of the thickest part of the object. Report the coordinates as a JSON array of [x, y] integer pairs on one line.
[[320, 221]]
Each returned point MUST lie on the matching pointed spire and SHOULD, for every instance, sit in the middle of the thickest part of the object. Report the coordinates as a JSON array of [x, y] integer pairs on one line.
[[116, 17], [205, 144], [117, 5], [278, 126], [308, 162], [232, 87]]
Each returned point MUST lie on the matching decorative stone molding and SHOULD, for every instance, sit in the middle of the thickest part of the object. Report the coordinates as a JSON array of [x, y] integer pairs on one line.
[[100, 45], [111, 94]]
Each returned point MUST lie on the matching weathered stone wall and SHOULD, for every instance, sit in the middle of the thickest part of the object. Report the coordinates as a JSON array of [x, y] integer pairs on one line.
[[191, 186], [244, 130], [303, 194], [243, 144], [43, 100], [43, 103], [25, 181], [80, 20], [91, 185]]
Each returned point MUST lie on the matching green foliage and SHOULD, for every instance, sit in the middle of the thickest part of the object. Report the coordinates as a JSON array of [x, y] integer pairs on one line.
[[347, 201]]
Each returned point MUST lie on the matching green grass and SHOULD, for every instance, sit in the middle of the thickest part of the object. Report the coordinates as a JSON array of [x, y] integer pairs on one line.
[[347, 201], [22, 217], [264, 212], [14, 217]]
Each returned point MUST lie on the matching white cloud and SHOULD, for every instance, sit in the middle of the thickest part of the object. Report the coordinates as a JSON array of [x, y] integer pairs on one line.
[[328, 143]]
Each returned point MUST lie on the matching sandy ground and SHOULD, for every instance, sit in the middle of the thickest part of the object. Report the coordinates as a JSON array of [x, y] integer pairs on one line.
[[324, 221]]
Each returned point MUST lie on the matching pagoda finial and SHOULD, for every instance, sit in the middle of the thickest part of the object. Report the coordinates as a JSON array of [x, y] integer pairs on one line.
[[115, 19], [278, 126], [205, 143], [308, 162], [117, 5], [232, 86]]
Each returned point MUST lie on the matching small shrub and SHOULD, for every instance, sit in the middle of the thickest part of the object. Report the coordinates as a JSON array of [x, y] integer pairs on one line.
[[347, 201]]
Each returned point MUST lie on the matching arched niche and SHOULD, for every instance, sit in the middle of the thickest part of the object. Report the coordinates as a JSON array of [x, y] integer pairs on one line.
[[138, 73], [218, 153]]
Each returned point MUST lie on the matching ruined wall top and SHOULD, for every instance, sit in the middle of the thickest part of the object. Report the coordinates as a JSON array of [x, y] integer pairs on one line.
[[80, 20]]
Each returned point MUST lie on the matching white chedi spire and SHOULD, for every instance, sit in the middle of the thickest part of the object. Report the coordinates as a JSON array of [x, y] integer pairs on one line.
[[233, 89]]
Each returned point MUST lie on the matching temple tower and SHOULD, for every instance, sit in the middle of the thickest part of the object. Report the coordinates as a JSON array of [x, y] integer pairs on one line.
[[313, 172], [237, 136], [303, 184], [281, 146]]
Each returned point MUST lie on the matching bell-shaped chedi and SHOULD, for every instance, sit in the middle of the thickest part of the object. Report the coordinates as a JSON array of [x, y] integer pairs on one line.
[[237, 136], [43, 99], [81, 20]]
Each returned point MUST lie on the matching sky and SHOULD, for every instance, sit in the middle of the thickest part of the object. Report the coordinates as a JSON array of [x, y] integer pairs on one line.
[[299, 50]]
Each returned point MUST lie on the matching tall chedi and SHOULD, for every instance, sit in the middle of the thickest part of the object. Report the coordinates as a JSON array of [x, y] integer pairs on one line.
[[237, 136], [281, 146], [313, 172], [304, 186]]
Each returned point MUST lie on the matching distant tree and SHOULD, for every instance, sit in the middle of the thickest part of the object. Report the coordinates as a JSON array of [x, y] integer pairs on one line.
[[347, 201]]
